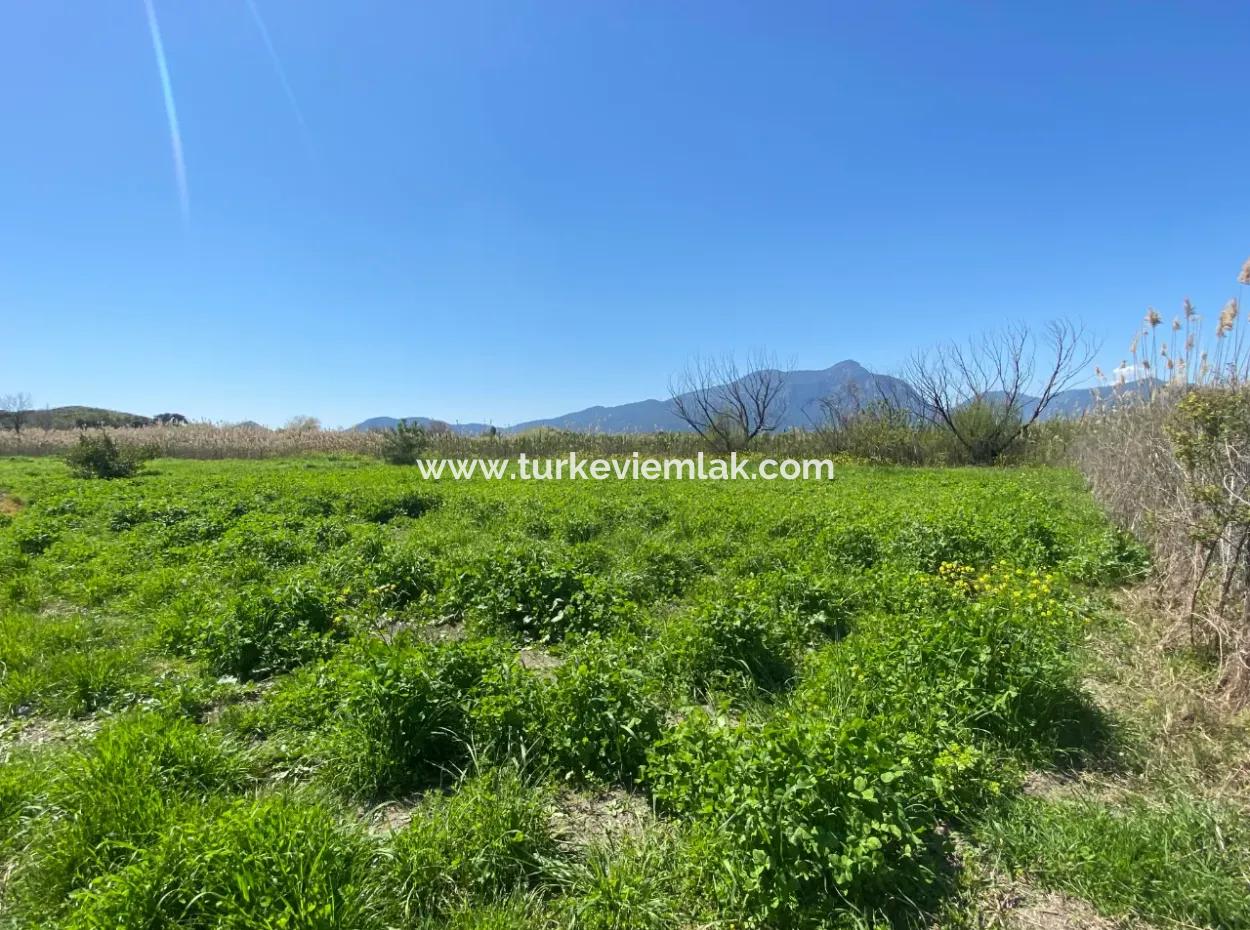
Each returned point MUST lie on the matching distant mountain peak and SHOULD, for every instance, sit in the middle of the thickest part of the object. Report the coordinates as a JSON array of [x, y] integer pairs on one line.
[[804, 392]]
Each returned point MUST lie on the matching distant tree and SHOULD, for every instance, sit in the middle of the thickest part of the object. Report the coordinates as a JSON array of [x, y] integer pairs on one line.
[[303, 424], [980, 390], [724, 405], [170, 419], [438, 428], [15, 410]]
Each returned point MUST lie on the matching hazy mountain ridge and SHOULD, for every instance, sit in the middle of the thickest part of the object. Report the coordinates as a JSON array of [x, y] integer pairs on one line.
[[803, 391]]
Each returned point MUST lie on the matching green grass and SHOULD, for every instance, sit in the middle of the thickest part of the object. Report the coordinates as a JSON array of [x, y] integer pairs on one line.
[[1183, 861], [803, 680]]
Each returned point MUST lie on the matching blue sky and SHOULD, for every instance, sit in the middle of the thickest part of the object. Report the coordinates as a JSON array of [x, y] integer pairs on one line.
[[505, 210]]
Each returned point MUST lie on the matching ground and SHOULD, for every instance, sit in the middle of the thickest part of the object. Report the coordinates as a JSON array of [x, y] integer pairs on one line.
[[323, 693]]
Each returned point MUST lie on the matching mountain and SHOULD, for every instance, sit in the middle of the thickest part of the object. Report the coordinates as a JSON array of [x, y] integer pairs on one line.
[[802, 392], [374, 423], [77, 417], [845, 384], [1078, 401]]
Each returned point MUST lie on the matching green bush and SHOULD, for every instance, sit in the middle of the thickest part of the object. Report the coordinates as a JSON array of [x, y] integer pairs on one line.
[[530, 595], [730, 641], [406, 712], [849, 823], [97, 456], [262, 632], [404, 444]]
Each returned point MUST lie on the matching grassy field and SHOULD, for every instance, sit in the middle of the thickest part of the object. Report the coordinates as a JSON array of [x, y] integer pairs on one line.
[[322, 693]]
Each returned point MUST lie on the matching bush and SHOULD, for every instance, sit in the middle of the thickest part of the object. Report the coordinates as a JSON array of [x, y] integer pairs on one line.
[[847, 823], [404, 444], [263, 632], [732, 641], [97, 456], [530, 594], [406, 713]]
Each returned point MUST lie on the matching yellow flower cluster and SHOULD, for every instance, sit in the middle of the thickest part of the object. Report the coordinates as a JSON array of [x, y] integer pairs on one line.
[[1001, 579]]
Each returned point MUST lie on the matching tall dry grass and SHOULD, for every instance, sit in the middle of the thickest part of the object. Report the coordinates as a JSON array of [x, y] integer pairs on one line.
[[1169, 459], [210, 441]]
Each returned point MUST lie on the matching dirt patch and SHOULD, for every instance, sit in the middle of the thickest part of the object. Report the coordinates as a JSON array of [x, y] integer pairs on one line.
[[390, 630], [1022, 907], [40, 732], [538, 661], [9, 505], [390, 817], [580, 820]]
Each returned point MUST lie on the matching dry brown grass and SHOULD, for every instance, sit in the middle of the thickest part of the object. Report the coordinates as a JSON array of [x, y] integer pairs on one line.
[[1171, 463], [211, 441]]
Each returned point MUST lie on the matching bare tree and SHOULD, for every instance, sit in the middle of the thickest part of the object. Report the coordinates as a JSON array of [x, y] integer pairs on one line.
[[724, 405], [15, 410], [980, 390], [302, 423]]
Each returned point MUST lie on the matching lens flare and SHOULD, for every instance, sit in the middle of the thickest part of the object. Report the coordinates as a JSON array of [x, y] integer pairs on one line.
[[171, 111]]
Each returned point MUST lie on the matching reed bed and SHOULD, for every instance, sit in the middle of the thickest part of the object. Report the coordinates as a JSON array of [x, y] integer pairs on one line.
[[1169, 459]]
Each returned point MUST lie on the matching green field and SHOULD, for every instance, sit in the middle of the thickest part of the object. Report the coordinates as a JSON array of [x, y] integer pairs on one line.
[[322, 693]]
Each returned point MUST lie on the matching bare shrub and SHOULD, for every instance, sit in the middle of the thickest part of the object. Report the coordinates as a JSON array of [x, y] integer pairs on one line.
[[724, 405], [980, 390]]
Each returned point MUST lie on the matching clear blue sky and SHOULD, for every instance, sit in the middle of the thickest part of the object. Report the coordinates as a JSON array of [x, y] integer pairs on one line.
[[512, 209]]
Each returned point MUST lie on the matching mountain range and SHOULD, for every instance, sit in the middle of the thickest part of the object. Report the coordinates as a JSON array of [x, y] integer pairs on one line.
[[801, 391]]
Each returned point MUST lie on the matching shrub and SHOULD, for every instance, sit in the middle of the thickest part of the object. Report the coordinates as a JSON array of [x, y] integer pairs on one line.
[[929, 543], [265, 631], [729, 641], [847, 825], [404, 444], [97, 456], [530, 594]]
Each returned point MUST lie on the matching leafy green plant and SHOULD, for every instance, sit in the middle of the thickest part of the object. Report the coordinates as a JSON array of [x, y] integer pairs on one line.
[[478, 844], [528, 594], [97, 456], [599, 715], [404, 444], [406, 711]]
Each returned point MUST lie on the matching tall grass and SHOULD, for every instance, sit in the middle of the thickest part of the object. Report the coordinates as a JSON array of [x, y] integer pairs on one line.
[[1170, 460]]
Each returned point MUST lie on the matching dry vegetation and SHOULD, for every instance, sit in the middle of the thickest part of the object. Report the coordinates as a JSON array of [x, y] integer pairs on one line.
[[1172, 464]]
